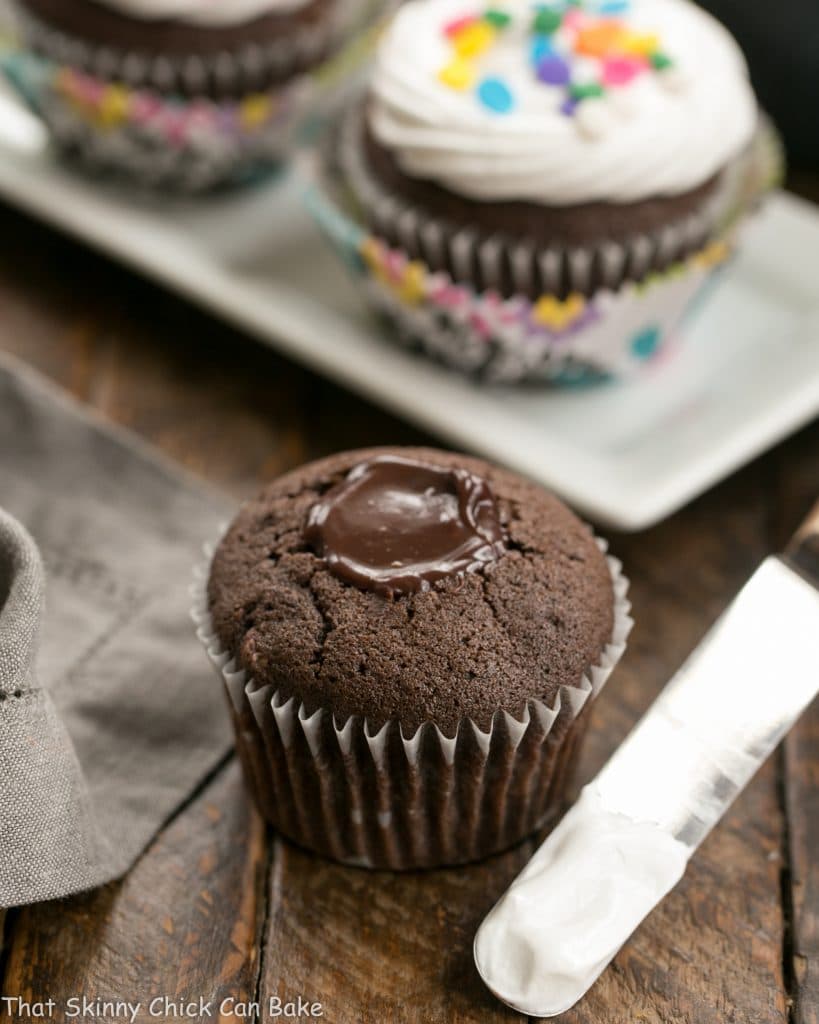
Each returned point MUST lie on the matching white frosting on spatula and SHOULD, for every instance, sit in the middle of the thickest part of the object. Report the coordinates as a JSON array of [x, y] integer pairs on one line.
[[577, 901]]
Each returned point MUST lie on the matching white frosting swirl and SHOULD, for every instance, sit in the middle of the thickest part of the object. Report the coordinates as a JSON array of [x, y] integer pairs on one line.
[[213, 13], [662, 134]]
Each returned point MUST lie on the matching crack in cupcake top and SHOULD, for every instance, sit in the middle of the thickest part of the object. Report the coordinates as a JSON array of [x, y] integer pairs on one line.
[[534, 619], [560, 102], [398, 525]]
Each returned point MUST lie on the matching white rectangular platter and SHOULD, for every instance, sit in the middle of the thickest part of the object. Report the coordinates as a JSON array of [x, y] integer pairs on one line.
[[626, 455]]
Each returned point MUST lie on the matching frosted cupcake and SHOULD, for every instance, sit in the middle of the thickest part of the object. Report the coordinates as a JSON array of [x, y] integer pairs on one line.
[[188, 93], [542, 188]]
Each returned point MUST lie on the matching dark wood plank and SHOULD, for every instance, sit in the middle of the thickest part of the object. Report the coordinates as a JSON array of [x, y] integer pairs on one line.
[[223, 405], [712, 951], [374, 949], [797, 488], [183, 924], [380, 947], [802, 792]]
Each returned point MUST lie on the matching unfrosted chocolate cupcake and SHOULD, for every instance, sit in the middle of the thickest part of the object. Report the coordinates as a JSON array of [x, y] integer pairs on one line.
[[409, 639], [183, 93]]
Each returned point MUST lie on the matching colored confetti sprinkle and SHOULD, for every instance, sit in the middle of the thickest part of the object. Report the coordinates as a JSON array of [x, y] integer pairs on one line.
[[639, 44], [495, 95], [579, 46], [547, 21], [553, 70], [459, 74], [574, 20], [541, 47], [452, 28], [660, 61], [621, 70], [474, 39], [498, 19], [599, 39], [585, 90]]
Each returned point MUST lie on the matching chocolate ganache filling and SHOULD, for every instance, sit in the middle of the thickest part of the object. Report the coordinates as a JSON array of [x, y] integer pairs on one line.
[[396, 525]]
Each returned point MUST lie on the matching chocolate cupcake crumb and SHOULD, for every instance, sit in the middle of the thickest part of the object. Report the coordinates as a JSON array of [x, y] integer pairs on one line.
[[535, 619]]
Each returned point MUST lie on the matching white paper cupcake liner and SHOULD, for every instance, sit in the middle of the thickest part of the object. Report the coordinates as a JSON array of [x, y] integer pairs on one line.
[[382, 799], [465, 317]]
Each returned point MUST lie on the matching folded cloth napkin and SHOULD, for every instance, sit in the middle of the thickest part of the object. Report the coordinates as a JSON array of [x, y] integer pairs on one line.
[[109, 718]]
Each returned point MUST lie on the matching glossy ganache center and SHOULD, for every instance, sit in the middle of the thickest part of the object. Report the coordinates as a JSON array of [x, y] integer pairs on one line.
[[398, 525]]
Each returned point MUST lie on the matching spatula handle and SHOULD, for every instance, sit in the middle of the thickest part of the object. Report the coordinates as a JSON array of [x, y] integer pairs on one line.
[[803, 548]]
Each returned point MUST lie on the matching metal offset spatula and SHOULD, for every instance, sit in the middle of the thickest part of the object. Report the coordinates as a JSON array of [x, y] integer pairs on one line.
[[627, 841]]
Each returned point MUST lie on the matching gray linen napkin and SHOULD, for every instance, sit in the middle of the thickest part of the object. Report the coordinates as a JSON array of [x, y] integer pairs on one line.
[[109, 716]]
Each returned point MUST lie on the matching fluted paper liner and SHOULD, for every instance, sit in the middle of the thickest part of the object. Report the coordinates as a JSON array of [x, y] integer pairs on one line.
[[383, 799], [191, 122], [475, 255], [602, 311]]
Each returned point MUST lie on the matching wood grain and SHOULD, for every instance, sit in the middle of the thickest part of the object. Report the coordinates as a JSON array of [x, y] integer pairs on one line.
[[796, 489], [802, 879], [375, 947], [221, 404], [183, 924], [803, 548], [380, 948]]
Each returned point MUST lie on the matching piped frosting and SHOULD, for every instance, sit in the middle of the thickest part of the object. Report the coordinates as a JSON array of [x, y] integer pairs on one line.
[[563, 102]]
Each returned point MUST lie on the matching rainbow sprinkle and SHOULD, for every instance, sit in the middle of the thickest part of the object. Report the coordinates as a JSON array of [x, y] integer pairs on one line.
[[562, 36], [495, 95]]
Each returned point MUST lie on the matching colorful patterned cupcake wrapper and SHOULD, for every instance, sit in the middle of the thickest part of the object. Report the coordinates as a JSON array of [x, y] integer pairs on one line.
[[381, 799], [613, 333], [188, 144], [553, 269]]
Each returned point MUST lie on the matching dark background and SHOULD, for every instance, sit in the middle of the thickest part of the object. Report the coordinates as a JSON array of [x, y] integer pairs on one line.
[[781, 42]]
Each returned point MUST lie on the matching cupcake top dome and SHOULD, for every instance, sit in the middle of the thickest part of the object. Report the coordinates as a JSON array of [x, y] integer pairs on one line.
[[206, 13], [563, 101], [411, 584]]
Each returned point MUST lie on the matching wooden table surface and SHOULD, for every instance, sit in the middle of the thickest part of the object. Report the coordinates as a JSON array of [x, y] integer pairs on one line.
[[219, 907]]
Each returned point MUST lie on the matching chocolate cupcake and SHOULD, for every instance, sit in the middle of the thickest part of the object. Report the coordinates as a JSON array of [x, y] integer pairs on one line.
[[183, 93], [410, 641], [538, 179]]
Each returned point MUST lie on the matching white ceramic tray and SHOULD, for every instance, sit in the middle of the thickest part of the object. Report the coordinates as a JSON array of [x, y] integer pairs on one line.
[[626, 455]]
